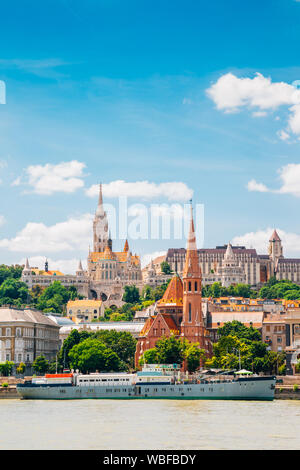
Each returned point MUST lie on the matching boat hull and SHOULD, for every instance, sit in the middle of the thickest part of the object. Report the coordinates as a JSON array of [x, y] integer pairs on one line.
[[259, 388]]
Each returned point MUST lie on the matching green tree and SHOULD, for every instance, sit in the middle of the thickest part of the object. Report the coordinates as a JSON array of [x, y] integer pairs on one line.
[[63, 357], [13, 272], [170, 350], [238, 329], [55, 297], [149, 357], [193, 356], [131, 294], [14, 292], [91, 355], [6, 368], [165, 267], [121, 342], [40, 365]]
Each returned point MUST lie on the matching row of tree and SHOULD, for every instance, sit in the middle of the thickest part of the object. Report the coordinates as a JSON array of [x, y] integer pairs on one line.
[[241, 347], [173, 350]]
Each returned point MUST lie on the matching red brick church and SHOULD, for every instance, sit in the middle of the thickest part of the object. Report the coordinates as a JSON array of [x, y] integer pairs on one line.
[[180, 309]]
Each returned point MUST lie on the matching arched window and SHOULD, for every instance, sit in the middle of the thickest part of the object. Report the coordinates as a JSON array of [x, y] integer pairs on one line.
[[190, 286], [190, 312], [196, 286]]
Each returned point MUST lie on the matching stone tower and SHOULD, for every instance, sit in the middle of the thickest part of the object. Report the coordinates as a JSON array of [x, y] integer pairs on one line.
[[192, 327], [100, 226], [275, 248]]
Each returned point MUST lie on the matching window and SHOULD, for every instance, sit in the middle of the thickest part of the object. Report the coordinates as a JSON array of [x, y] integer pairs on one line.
[[190, 312], [190, 286], [196, 286], [8, 332]]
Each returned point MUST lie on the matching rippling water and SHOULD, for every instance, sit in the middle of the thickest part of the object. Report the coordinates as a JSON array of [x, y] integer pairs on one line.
[[149, 424]]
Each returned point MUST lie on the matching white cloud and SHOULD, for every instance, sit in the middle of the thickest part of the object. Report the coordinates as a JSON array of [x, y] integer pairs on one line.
[[283, 135], [259, 113], [260, 241], [290, 176], [145, 259], [230, 93], [254, 186], [173, 191], [66, 266], [72, 234], [290, 179], [47, 179]]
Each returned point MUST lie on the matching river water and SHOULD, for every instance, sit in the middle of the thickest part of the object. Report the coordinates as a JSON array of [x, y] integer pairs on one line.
[[149, 424]]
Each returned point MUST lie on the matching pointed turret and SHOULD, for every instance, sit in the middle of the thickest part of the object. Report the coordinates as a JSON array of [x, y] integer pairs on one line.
[[100, 209], [192, 266], [100, 226], [27, 267], [275, 237], [80, 266], [229, 255], [275, 248], [126, 246]]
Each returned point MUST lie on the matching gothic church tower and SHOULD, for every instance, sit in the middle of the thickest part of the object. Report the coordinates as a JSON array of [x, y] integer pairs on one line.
[[192, 327], [100, 226]]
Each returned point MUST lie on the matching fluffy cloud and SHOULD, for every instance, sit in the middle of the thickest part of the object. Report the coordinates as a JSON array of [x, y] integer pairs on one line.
[[230, 93], [290, 179], [173, 191], [72, 234], [47, 179], [254, 186], [260, 239]]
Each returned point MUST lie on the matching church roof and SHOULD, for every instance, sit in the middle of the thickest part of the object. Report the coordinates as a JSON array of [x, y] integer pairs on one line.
[[166, 318], [173, 293]]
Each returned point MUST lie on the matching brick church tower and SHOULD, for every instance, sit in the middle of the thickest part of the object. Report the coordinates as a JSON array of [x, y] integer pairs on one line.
[[192, 326]]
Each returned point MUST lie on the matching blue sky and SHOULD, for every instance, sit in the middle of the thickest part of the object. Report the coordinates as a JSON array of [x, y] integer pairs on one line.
[[122, 88]]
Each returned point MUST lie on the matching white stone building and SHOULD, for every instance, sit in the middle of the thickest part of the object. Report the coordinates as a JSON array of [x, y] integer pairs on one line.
[[27, 334]]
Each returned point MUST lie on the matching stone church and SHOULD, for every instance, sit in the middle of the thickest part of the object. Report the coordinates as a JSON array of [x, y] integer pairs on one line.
[[107, 271]]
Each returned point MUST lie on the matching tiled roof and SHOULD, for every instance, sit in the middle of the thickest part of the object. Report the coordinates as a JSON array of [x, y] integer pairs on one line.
[[26, 315], [173, 293], [42, 272]]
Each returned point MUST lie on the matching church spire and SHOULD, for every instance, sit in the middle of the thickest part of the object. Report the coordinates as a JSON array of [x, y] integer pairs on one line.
[[100, 226], [192, 267], [100, 209]]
